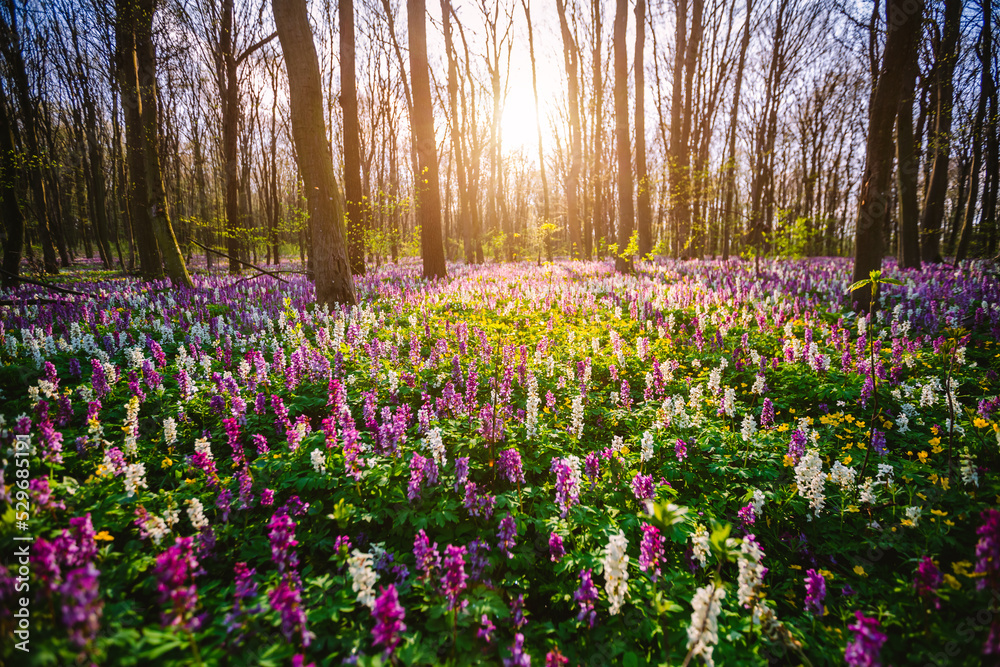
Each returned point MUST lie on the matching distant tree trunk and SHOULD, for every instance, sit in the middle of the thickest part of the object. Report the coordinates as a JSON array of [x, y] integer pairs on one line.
[[991, 177], [907, 169], [626, 211], [901, 42], [422, 121], [538, 116], [644, 213], [353, 192], [730, 165], [570, 59], [678, 147], [597, 168], [146, 66], [334, 283], [10, 209], [937, 186], [137, 194], [10, 43], [464, 217]]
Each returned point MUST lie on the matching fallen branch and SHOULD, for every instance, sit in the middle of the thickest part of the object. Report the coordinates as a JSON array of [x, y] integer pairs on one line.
[[247, 264], [39, 283]]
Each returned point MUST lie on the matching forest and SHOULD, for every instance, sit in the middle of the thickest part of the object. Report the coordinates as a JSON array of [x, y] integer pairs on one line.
[[490, 331]]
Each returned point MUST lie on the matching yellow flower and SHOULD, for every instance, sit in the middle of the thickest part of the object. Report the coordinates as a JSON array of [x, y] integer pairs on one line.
[[104, 535], [939, 513], [934, 430], [166, 462], [847, 461], [782, 428], [860, 571], [795, 567], [922, 456], [826, 574], [979, 422], [788, 461], [952, 582], [962, 568]]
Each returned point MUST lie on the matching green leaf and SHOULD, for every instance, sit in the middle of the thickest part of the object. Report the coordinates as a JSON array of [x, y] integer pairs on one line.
[[858, 285]]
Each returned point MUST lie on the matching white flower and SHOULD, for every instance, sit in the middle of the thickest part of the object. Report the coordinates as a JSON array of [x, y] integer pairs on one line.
[[169, 431], [902, 422], [729, 402], [913, 515], [196, 513], [436, 445], [156, 528], [578, 416], [131, 426], [703, 632], [700, 544], [969, 473], [884, 474], [617, 442], [531, 407], [393, 379], [135, 478], [809, 479], [867, 491], [757, 501], [202, 446], [751, 571], [318, 459], [616, 571], [360, 568], [842, 475], [749, 427], [758, 385], [647, 447]]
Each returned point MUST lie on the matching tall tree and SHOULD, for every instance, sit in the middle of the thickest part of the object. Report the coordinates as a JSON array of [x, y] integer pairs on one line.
[[729, 168], [10, 44], [571, 61], [422, 122], [10, 209], [903, 32], [597, 157], [457, 145], [937, 186], [907, 169], [175, 267], [626, 210], [538, 116], [334, 283], [353, 192], [644, 213]]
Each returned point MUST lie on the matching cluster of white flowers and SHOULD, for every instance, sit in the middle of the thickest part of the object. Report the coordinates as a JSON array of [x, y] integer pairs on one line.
[[969, 473], [616, 571], [809, 479], [703, 632], [436, 446], [360, 567], [135, 478], [196, 512], [913, 515], [131, 426], [758, 385], [751, 569], [928, 393], [318, 459], [841, 475], [647, 447], [202, 446], [641, 347], [729, 402], [700, 544], [156, 527], [884, 474], [715, 376], [531, 407], [169, 431], [617, 442], [867, 491], [749, 427], [392, 378], [578, 416], [757, 502]]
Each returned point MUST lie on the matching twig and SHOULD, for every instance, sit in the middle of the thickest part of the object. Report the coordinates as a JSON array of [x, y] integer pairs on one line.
[[39, 283], [247, 264]]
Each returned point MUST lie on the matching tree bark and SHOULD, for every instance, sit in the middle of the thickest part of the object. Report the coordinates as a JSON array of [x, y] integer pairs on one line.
[[570, 59], [597, 168], [937, 186], [644, 213], [334, 283], [626, 210], [907, 169], [10, 209], [353, 192], [464, 217], [730, 165], [873, 204], [422, 121]]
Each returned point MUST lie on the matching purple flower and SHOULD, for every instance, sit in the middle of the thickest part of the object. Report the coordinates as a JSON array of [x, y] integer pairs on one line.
[[567, 484], [282, 536], [509, 466], [518, 658], [267, 497], [389, 615], [461, 471], [927, 580], [453, 580], [175, 571], [418, 465], [506, 535], [585, 597], [680, 450], [642, 487], [428, 558], [747, 516], [988, 549], [287, 601], [517, 612], [592, 468], [82, 604], [815, 592], [246, 590], [486, 631], [556, 550], [555, 659], [878, 442], [651, 549], [797, 447], [864, 648], [767, 414]]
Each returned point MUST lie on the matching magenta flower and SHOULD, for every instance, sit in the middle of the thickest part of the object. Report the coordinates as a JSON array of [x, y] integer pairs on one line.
[[651, 549], [175, 571], [287, 601], [389, 615], [453, 580], [555, 659], [815, 592], [927, 581], [428, 558], [509, 466], [506, 535], [585, 597], [988, 549], [680, 450], [82, 604], [556, 549], [642, 487], [864, 648], [519, 657], [282, 536]]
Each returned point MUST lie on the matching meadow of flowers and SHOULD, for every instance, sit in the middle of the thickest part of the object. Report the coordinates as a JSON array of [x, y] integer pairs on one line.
[[552, 464]]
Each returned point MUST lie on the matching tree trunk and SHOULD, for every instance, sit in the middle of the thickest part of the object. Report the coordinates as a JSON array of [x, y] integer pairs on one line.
[[730, 165], [353, 192], [626, 211], [570, 59], [538, 116], [644, 213], [13, 221], [937, 186], [597, 168], [176, 270], [907, 169], [464, 219], [334, 283], [422, 121], [900, 49]]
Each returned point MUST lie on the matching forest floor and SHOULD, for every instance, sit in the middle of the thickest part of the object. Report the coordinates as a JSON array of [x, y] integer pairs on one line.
[[520, 462]]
